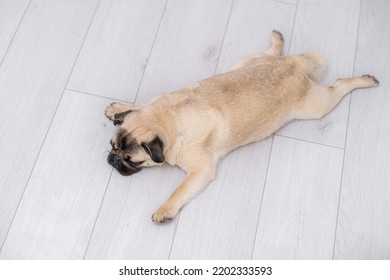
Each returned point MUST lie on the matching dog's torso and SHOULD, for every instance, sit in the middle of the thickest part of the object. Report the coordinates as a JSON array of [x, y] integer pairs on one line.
[[233, 109]]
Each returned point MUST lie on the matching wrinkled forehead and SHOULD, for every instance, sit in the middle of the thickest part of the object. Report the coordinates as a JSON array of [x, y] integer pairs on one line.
[[123, 140]]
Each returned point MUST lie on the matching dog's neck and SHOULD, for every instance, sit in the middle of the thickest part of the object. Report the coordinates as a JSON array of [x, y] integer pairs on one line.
[[166, 131], [167, 110]]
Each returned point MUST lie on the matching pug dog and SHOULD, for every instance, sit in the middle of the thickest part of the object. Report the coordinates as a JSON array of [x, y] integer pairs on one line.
[[195, 127]]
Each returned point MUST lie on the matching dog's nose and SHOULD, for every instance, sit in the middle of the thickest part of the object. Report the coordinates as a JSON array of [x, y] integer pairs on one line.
[[114, 160]]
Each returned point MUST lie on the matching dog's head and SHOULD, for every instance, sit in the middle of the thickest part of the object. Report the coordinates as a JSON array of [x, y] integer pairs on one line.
[[136, 143]]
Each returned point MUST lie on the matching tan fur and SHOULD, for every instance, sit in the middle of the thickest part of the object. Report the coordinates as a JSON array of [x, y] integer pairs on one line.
[[200, 124]]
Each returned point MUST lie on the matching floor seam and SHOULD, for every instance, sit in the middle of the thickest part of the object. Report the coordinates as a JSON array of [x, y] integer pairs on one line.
[[1, 64], [346, 133], [16, 31], [310, 142], [99, 96], [293, 27], [262, 196], [224, 37], [150, 52], [47, 132], [98, 214]]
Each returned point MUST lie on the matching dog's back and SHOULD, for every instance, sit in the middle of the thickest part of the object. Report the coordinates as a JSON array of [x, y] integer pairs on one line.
[[256, 99]]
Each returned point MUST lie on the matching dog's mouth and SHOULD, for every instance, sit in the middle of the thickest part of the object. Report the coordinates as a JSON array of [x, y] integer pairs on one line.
[[124, 168]]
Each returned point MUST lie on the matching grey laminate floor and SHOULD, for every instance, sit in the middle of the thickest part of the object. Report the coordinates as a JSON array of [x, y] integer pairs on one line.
[[315, 190]]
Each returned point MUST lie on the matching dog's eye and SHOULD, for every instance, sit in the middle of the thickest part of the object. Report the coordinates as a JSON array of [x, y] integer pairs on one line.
[[143, 145], [113, 145], [134, 163]]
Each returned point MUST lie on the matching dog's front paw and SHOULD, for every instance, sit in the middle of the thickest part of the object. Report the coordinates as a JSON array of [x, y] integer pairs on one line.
[[114, 109], [111, 111], [164, 214]]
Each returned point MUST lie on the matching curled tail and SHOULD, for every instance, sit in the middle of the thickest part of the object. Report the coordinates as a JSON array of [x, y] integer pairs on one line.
[[314, 65]]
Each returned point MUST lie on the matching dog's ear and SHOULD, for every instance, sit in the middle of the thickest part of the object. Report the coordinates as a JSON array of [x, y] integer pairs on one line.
[[155, 150]]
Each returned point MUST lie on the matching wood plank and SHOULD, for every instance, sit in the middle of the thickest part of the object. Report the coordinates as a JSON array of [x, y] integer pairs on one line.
[[363, 225], [57, 213], [187, 46], [225, 228], [11, 13], [299, 209], [329, 27], [117, 48], [32, 79], [183, 51]]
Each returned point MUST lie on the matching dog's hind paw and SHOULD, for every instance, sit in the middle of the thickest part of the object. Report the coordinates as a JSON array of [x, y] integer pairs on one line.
[[371, 80], [278, 35]]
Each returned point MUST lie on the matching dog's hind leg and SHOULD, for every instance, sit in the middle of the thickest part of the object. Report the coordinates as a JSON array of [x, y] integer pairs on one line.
[[277, 42], [320, 100], [276, 49]]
